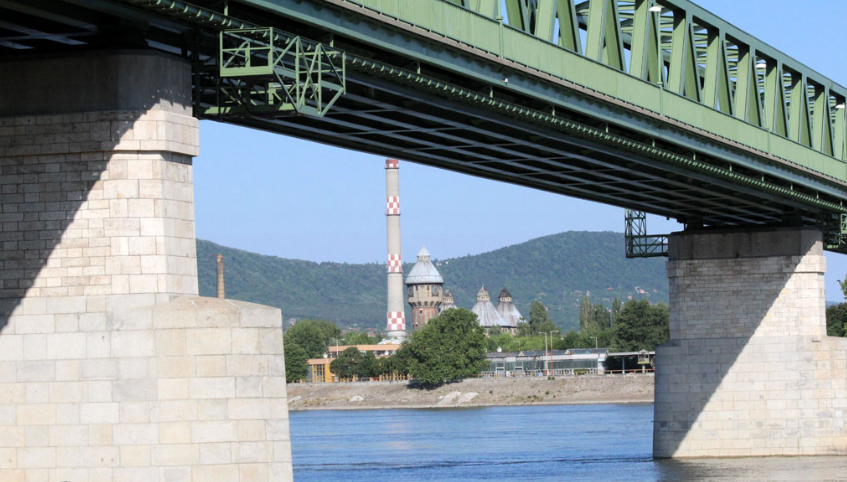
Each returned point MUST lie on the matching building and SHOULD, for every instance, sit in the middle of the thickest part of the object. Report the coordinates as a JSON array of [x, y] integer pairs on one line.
[[507, 309], [488, 316], [447, 301], [426, 295], [319, 367], [551, 362], [424, 290]]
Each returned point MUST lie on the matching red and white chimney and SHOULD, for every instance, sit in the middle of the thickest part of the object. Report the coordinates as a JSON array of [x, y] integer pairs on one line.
[[396, 306]]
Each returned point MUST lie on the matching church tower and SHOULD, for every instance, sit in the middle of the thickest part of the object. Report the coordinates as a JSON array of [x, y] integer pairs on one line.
[[424, 290]]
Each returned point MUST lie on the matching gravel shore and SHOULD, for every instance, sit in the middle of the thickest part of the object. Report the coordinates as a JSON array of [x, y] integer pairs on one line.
[[473, 393]]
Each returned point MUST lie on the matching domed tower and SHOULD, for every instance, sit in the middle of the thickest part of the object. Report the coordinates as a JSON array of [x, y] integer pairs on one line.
[[448, 301], [508, 311], [424, 290], [486, 312]]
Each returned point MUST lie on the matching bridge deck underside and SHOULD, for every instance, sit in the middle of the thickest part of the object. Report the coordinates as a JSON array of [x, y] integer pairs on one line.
[[391, 116], [395, 120]]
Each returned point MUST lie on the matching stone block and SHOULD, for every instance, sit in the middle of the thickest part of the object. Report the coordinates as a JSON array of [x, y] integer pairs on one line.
[[175, 433], [209, 341], [136, 434], [215, 453], [217, 388], [100, 457], [173, 389], [176, 454], [216, 473], [214, 432], [133, 344]]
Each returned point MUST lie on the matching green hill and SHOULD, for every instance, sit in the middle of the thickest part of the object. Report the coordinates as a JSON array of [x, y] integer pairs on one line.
[[557, 269]]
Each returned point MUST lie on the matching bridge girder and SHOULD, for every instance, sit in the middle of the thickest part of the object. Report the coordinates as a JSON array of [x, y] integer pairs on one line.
[[413, 92]]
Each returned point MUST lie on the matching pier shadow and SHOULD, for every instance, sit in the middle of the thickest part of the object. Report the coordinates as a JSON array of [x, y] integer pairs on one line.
[[61, 117], [742, 345]]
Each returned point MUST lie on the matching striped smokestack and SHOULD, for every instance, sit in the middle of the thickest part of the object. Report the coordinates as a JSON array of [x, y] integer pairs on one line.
[[221, 291], [396, 306]]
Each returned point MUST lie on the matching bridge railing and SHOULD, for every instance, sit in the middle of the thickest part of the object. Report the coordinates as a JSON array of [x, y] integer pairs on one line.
[[674, 55]]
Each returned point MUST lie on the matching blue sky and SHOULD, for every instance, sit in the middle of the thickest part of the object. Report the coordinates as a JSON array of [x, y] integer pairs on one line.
[[285, 197]]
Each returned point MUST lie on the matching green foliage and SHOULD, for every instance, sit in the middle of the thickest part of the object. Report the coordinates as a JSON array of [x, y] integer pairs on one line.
[[369, 366], [450, 347], [348, 363], [359, 338], [596, 317], [585, 339], [313, 336], [296, 362], [641, 326], [539, 321], [836, 320], [552, 269], [586, 313], [616, 309], [399, 362]]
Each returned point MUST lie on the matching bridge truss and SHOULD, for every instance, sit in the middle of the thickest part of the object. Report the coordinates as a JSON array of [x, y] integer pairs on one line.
[[655, 106]]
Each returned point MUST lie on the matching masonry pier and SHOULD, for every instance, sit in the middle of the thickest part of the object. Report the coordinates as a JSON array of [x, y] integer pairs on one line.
[[112, 368], [749, 370]]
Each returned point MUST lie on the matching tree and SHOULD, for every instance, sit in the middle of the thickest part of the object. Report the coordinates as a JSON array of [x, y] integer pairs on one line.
[[400, 361], [358, 338], [616, 310], [450, 347], [585, 339], [586, 313], [313, 336], [296, 361], [836, 320], [642, 326], [369, 366], [539, 319], [347, 364], [600, 317]]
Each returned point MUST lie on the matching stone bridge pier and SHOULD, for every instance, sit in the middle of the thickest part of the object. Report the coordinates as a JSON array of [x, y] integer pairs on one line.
[[112, 368], [749, 370]]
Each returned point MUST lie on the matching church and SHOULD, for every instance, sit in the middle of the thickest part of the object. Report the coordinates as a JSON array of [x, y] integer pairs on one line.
[[426, 295]]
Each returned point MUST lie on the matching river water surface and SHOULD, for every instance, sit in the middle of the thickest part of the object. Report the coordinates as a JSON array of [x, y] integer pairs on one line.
[[529, 443]]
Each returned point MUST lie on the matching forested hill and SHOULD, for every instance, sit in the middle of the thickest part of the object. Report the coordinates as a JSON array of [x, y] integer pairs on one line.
[[557, 269]]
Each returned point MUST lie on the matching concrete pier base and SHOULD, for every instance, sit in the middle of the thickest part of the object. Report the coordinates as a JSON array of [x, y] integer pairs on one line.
[[749, 370], [112, 369]]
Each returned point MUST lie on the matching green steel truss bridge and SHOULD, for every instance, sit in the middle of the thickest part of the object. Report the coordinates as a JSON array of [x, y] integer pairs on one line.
[[653, 105]]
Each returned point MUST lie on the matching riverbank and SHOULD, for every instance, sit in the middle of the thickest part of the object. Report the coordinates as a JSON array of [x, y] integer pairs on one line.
[[473, 393]]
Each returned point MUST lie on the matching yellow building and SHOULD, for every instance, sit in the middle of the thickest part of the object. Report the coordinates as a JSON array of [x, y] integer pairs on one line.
[[319, 367]]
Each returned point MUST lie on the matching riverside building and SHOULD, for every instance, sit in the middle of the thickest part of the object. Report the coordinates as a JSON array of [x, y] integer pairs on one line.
[[426, 295]]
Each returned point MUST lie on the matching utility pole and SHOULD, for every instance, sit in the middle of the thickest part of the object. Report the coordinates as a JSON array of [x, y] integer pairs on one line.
[[595, 342]]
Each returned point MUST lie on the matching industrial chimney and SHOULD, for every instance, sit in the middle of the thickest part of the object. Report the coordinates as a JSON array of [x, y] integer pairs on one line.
[[221, 292], [396, 306]]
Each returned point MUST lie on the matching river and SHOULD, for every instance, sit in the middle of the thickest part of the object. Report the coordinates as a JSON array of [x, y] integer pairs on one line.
[[527, 443]]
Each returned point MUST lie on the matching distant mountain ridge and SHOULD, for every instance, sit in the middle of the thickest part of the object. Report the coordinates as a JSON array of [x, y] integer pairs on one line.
[[557, 269]]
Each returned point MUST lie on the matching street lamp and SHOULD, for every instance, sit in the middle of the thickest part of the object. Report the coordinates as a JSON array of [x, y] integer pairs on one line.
[[595, 342]]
